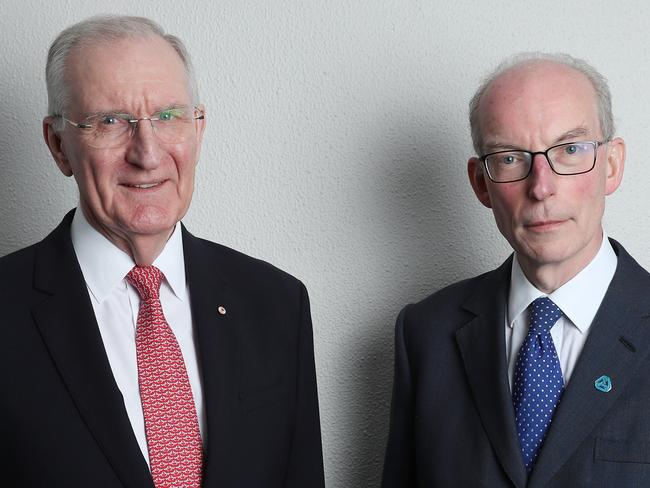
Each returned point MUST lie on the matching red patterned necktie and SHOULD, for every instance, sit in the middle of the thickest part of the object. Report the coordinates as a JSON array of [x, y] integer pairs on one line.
[[171, 425]]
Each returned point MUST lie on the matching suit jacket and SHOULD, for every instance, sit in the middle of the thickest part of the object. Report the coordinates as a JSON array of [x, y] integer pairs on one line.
[[62, 416], [452, 419]]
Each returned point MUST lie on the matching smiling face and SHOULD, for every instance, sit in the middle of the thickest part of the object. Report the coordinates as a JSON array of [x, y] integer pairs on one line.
[[553, 222], [142, 188]]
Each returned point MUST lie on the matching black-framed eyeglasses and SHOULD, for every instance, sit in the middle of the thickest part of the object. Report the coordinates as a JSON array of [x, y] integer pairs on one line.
[[569, 158], [110, 130]]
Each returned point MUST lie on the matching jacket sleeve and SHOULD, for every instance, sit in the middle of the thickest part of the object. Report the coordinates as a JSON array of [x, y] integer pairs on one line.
[[305, 468], [399, 465]]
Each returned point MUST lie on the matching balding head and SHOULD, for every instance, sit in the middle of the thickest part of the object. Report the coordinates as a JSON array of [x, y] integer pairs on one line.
[[523, 63]]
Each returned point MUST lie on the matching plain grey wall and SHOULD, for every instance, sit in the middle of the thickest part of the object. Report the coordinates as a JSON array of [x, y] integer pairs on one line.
[[336, 146]]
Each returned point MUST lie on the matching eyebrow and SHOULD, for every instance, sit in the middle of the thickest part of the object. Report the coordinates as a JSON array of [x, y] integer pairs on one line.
[[99, 113], [499, 146], [573, 134], [570, 135]]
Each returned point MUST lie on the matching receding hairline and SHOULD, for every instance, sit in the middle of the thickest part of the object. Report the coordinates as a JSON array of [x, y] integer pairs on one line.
[[522, 61], [80, 54], [98, 44], [524, 73], [523, 70], [534, 63], [109, 40]]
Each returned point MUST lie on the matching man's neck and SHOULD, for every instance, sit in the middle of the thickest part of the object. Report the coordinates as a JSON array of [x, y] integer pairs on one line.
[[143, 248], [548, 277]]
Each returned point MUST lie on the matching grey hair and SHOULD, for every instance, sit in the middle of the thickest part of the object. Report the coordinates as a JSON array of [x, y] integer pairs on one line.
[[598, 81], [103, 29]]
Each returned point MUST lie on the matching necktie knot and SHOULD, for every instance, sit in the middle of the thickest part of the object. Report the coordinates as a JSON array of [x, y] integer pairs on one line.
[[146, 280], [543, 315]]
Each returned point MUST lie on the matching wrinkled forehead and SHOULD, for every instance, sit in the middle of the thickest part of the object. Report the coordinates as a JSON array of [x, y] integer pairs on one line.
[[126, 69], [538, 102]]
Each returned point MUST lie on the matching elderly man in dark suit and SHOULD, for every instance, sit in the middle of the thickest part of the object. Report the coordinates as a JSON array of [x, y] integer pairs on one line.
[[135, 354], [534, 374]]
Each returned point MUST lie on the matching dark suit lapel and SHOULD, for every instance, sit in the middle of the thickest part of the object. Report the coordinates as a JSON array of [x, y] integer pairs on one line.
[[216, 334], [68, 327], [619, 340], [482, 346]]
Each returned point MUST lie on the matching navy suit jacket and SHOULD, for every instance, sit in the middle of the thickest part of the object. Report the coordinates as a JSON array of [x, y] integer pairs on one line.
[[62, 416], [452, 419]]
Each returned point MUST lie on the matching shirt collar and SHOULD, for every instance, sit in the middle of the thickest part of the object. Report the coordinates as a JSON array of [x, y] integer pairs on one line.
[[104, 265], [579, 298]]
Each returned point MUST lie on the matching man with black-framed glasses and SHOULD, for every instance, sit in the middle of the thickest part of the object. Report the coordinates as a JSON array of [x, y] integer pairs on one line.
[[134, 354], [534, 374]]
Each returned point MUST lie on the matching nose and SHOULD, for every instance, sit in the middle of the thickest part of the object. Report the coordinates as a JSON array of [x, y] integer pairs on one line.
[[542, 180], [143, 149]]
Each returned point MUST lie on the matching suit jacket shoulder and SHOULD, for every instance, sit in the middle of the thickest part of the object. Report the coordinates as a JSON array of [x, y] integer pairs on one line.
[[27, 274], [241, 269], [16, 273], [442, 313]]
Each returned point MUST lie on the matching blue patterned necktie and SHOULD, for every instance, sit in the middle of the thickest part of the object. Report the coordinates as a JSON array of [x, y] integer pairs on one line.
[[538, 383]]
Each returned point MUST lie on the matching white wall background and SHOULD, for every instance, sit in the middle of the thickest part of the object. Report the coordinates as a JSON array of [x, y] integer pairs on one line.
[[336, 148]]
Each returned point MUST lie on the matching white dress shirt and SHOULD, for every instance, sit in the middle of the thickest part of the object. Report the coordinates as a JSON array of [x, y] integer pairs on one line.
[[579, 299], [116, 304]]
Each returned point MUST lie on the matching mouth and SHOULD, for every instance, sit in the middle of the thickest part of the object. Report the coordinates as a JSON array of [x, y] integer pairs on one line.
[[144, 186], [544, 225]]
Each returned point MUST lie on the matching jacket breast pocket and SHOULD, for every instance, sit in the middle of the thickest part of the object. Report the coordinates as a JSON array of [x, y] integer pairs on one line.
[[622, 451]]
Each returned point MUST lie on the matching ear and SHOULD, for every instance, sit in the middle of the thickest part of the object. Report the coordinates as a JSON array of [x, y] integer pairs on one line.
[[615, 164], [476, 174], [200, 128], [53, 141]]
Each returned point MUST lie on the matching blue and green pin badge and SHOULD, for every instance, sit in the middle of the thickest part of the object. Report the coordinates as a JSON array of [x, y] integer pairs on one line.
[[604, 384]]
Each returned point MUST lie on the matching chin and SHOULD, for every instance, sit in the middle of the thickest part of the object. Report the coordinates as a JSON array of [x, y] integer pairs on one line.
[[152, 230], [152, 221], [549, 253]]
